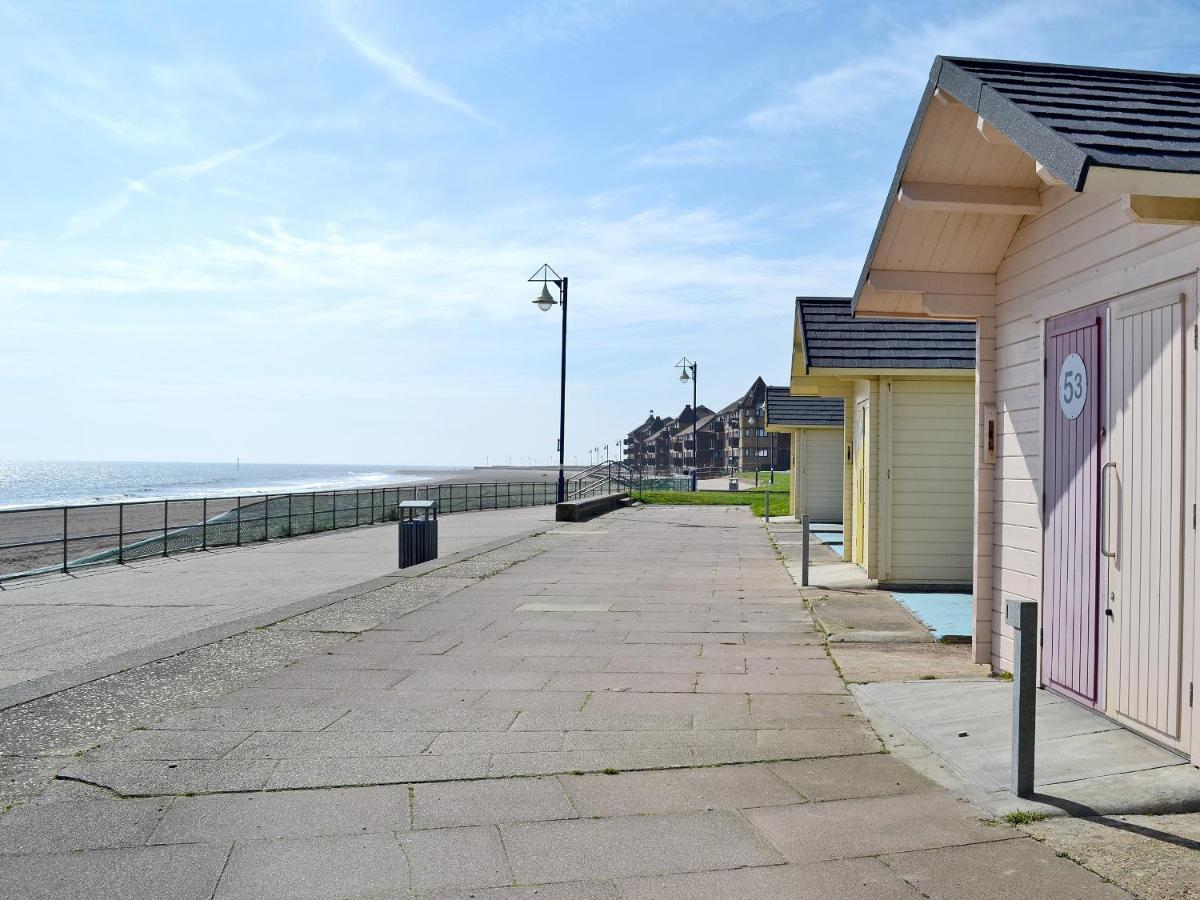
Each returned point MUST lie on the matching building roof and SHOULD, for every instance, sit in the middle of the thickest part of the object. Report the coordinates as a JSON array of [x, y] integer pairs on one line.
[[785, 409], [832, 339], [1070, 118], [1091, 129]]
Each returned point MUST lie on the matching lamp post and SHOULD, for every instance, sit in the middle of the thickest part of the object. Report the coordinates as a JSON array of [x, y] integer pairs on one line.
[[545, 302], [685, 365]]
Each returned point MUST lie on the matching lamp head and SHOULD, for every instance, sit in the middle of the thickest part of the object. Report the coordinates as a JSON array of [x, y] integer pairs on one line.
[[544, 301], [684, 377]]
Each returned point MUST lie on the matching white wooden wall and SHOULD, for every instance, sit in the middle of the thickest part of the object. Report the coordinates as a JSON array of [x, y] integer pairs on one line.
[[931, 488], [817, 473], [1082, 249]]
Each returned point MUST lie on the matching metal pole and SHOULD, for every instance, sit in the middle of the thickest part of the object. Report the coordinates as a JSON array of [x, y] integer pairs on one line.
[[267, 517], [767, 504], [204, 526], [64, 553], [314, 512], [562, 401], [166, 505], [695, 418], [238, 539], [120, 533], [1022, 616], [804, 551]]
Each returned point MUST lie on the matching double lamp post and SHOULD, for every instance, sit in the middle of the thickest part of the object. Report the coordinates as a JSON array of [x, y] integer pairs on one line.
[[685, 366], [545, 302]]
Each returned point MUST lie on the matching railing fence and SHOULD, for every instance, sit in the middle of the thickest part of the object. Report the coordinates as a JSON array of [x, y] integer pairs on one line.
[[38, 540]]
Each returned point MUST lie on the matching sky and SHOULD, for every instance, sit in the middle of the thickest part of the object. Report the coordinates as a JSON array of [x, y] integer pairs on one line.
[[301, 231]]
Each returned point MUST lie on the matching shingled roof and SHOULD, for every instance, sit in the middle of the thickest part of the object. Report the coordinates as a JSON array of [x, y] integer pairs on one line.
[[1070, 118], [832, 339], [785, 409]]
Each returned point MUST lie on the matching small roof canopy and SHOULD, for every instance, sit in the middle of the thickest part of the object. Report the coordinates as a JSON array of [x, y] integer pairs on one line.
[[990, 138], [787, 411], [829, 340]]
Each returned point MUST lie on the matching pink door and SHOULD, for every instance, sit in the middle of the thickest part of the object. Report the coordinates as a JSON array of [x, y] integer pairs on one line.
[[1071, 506]]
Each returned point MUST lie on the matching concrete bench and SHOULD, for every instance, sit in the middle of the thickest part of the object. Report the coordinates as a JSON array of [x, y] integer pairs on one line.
[[589, 507]]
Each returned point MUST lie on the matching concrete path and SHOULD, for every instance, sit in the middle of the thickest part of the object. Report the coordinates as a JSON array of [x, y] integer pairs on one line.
[[637, 707], [52, 625]]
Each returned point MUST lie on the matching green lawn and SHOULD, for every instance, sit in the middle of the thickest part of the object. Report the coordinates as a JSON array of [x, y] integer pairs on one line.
[[751, 498]]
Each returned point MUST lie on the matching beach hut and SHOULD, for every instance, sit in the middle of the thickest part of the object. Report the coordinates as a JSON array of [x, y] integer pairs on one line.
[[1056, 207], [814, 425], [907, 390]]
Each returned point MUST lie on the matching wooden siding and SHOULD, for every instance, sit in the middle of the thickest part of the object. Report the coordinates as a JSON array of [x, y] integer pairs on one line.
[[820, 474], [931, 483], [1082, 249]]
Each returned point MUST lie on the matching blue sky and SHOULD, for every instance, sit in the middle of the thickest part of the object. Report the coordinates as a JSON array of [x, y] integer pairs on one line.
[[300, 231]]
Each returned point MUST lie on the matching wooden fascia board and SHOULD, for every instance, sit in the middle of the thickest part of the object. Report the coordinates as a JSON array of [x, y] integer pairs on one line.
[[903, 282], [780, 429], [957, 306], [969, 198], [1149, 210], [1110, 180], [871, 374], [808, 386]]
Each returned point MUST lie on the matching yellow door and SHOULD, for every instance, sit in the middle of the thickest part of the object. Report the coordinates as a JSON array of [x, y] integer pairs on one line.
[[861, 430]]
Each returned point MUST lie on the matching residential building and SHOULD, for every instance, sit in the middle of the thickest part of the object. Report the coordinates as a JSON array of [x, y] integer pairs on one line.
[[638, 452]]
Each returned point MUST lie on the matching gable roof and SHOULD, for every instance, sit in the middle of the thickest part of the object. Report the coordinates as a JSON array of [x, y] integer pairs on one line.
[[1113, 130], [785, 409], [1070, 118], [831, 338]]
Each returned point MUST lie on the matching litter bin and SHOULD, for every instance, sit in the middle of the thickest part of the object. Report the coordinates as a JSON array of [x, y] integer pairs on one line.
[[733, 482], [418, 532]]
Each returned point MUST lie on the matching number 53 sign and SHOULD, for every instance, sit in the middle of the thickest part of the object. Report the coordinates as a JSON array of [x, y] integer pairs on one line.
[[1072, 386]]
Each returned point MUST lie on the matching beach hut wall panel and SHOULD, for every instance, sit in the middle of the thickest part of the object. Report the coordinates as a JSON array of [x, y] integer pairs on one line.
[[906, 450], [1101, 534], [818, 472], [931, 480], [815, 425]]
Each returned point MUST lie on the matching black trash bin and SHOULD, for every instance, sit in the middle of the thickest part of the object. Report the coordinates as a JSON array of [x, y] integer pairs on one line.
[[418, 532]]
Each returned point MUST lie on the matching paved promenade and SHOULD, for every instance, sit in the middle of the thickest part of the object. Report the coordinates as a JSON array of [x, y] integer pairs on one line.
[[635, 707], [53, 624]]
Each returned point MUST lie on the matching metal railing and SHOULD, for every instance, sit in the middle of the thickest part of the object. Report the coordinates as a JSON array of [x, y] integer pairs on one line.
[[40, 540], [610, 476]]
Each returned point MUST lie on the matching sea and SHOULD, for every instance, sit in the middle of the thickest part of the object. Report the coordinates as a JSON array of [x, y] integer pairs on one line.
[[44, 483]]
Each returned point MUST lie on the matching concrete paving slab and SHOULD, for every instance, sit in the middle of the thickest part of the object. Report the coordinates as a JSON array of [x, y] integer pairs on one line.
[[80, 825], [368, 865], [639, 845], [886, 661], [959, 733], [686, 790], [334, 745], [248, 720], [489, 802], [185, 872], [851, 777], [839, 829], [575, 890], [536, 606], [172, 745], [283, 814], [850, 879], [456, 858], [154, 778], [771, 684], [1019, 869], [293, 774]]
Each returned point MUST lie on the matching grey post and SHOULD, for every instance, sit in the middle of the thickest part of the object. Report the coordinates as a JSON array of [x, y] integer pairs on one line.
[[804, 551], [1022, 616], [767, 504]]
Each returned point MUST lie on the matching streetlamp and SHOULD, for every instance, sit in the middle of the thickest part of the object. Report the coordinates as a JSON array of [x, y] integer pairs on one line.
[[684, 366], [545, 302]]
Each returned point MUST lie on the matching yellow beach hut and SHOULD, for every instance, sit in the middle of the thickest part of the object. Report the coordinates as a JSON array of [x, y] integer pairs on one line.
[[815, 425], [1056, 206], [908, 396]]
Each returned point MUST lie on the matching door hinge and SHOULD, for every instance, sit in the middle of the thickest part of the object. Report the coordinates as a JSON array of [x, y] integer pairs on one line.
[[1196, 336], [1193, 517], [1191, 684], [1041, 635], [1045, 367]]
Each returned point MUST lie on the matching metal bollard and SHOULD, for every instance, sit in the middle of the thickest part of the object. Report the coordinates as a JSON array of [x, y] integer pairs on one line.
[[766, 504], [1022, 616], [804, 552]]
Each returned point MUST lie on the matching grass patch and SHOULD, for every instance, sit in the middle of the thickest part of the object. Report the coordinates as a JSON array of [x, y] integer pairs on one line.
[[1023, 817], [929, 678], [780, 499], [1002, 676]]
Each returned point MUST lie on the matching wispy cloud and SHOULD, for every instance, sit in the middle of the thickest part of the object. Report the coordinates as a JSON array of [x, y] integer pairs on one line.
[[91, 219], [853, 95], [402, 73], [701, 151]]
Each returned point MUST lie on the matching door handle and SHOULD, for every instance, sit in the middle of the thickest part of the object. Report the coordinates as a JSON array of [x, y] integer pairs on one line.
[[1104, 507]]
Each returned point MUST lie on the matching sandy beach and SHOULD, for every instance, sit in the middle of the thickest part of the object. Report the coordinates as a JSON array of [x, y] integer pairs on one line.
[[92, 528]]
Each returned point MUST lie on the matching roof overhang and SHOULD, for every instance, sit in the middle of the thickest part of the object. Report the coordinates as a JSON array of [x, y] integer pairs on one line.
[[974, 165]]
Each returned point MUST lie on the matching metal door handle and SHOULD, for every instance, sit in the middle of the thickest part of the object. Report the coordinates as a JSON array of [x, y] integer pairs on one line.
[[1111, 554]]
